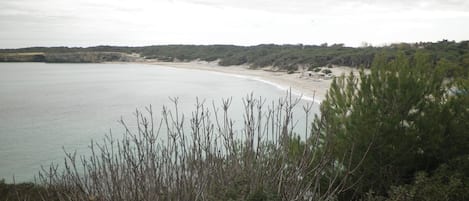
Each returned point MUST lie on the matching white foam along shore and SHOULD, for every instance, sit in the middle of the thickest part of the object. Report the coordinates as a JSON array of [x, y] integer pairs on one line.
[[300, 85], [285, 88]]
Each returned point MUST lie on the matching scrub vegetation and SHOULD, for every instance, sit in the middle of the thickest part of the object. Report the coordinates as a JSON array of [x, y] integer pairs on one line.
[[284, 57]]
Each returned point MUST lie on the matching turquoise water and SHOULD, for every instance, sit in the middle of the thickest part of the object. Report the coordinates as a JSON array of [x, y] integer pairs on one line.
[[44, 107]]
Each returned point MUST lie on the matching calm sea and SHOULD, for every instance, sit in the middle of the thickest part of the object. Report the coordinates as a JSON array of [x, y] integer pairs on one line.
[[44, 107]]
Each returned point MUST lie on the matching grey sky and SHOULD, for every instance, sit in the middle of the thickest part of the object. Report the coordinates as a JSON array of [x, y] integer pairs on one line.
[[241, 22]]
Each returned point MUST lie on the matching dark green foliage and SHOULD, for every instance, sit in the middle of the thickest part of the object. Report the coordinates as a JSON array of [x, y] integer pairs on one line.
[[23, 191], [402, 116], [448, 182]]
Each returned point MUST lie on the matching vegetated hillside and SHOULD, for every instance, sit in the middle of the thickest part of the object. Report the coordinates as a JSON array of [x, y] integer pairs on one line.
[[285, 57]]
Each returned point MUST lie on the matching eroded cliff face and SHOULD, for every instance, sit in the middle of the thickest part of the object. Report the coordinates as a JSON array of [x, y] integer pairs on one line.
[[22, 57], [73, 57]]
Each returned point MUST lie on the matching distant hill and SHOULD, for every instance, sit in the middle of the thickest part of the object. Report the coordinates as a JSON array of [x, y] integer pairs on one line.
[[68, 57]]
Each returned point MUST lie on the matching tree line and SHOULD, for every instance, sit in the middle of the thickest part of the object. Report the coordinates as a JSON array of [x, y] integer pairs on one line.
[[284, 57]]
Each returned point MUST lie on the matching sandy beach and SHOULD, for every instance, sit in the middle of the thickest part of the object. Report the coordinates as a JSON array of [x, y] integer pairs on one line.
[[311, 88]]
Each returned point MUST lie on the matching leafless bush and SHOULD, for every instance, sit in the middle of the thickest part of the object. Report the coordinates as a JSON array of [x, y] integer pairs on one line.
[[204, 157]]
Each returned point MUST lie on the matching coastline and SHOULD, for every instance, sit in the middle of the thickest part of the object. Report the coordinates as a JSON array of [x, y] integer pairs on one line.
[[311, 89]]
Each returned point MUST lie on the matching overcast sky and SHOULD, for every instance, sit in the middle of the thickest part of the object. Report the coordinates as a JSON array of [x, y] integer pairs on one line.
[[241, 22]]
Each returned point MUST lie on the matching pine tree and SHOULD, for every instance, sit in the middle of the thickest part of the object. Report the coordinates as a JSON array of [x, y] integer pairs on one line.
[[402, 115]]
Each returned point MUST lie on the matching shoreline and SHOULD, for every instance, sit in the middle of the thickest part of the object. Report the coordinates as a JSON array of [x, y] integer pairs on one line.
[[311, 89]]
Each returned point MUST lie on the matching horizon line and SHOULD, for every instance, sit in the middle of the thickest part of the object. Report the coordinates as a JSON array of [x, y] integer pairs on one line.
[[364, 44]]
